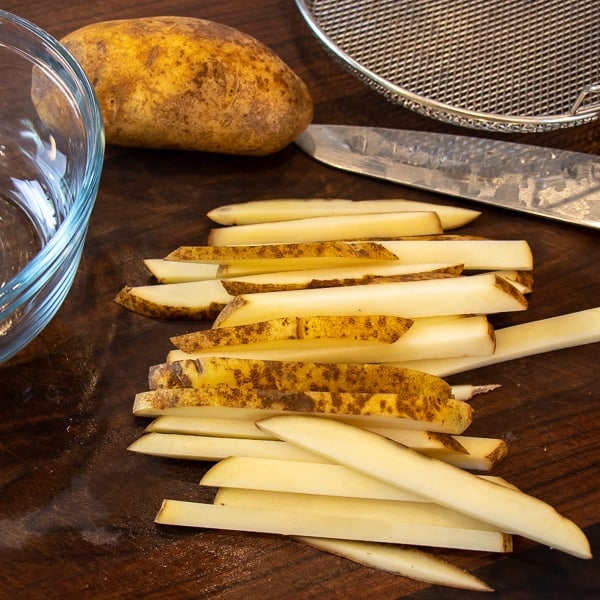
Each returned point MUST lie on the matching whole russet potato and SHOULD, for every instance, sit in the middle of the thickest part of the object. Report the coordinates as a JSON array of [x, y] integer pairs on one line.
[[191, 84]]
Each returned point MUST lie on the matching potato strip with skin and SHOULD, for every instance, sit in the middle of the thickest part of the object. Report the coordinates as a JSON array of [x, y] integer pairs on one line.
[[297, 376], [375, 328], [475, 294], [379, 409]]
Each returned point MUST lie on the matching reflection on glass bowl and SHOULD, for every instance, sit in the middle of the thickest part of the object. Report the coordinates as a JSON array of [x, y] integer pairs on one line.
[[51, 154]]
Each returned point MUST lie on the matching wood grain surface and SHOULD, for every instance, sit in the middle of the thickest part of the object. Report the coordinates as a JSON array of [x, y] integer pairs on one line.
[[77, 510]]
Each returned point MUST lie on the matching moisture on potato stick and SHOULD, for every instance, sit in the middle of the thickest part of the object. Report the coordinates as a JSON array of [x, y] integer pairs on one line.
[[510, 510]]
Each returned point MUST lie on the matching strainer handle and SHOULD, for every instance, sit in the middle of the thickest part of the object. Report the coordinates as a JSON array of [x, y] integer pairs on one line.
[[581, 107]]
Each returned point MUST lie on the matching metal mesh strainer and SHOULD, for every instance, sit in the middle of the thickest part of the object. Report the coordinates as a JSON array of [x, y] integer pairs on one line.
[[510, 65]]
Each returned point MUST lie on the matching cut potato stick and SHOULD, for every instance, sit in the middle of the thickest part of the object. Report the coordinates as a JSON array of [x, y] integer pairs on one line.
[[321, 229], [408, 562], [329, 253], [196, 300], [476, 294], [213, 448], [526, 339], [354, 328], [411, 513], [510, 510], [276, 521], [428, 337], [414, 438], [171, 271], [376, 410], [336, 277], [468, 452], [453, 418], [264, 211], [473, 254], [302, 477], [215, 427], [295, 376], [290, 478], [208, 448]]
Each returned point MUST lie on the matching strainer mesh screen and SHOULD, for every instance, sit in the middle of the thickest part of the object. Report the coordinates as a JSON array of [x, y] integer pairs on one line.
[[518, 64]]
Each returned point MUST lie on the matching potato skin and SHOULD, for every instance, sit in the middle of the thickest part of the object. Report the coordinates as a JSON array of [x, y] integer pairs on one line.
[[191, 84]]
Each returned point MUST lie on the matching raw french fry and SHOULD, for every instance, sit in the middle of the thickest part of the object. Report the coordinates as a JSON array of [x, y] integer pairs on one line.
[[408, 562], [473, 254], [351, 328], [208, 426], [303, 477], [277, 521], [428, 337], [279, 257], [264, 211], [485, 293], [214, 448], [336, 277], [526, 339], [297, 376], [171, 271], [300, 477], [195, 300], [320, 229], [411, 513], [374, 409], [222, 427], [510, 510], [207, 448], [468, 452]]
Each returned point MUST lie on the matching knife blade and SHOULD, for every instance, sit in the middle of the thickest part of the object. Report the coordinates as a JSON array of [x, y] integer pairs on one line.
[[556, 184]]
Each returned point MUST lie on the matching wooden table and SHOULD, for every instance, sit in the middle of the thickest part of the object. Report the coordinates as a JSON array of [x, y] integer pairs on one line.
[[77, 509]]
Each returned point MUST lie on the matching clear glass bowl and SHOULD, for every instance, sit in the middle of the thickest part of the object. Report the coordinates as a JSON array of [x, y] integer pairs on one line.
[[51, 156]]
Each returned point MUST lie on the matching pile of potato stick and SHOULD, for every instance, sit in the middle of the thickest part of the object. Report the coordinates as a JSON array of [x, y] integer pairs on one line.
[[318, 390]]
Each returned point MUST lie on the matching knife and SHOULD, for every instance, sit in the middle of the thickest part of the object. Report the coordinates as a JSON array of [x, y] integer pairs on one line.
[[556, 184]]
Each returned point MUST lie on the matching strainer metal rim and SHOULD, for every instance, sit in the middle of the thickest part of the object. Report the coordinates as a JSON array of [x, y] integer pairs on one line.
[[578, 114]]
